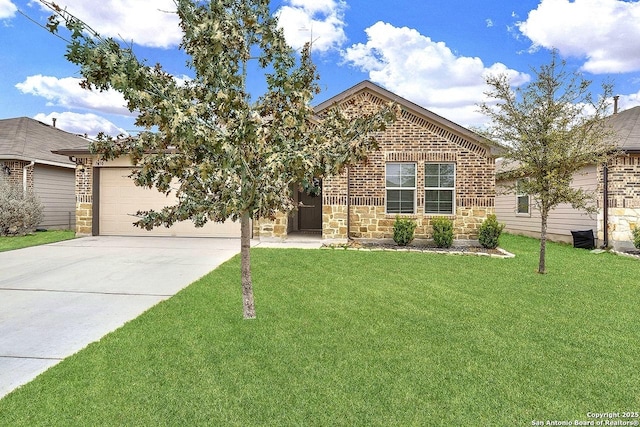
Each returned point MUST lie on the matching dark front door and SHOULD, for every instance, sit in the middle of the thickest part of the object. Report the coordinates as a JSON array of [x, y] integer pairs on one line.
[[309, 212]]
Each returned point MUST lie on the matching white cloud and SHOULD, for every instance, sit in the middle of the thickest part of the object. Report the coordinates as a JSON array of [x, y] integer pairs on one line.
[[320, 20], [629, 101], [146, 23], [602, 31], [7, 9], [66, 92], [489, 23], [426, 72], [81, 124]]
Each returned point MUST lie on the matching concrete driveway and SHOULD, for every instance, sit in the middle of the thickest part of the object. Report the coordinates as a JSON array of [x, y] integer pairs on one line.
[[58, 298]]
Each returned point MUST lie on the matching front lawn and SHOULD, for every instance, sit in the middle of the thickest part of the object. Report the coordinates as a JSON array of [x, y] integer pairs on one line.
[[8, 243], [365, 338]]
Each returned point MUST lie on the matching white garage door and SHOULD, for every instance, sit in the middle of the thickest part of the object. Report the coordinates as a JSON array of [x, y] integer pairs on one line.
[[120, 199]]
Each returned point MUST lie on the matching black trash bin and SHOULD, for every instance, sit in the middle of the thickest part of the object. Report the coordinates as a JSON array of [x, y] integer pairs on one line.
[[583, 239]]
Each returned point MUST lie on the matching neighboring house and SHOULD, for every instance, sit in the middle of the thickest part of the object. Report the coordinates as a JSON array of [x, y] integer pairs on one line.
[[26, 160], [618, 184], [427, 166]]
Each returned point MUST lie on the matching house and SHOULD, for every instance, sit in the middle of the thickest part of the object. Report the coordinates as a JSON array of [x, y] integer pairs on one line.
[[26, 160], [616, 187], [427, 166]]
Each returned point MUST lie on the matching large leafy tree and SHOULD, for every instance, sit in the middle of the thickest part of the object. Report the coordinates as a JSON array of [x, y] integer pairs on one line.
[[551, 128], [225, 154]]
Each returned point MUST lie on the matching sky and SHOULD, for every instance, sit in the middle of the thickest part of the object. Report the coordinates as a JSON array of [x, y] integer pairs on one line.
[[435, 53]]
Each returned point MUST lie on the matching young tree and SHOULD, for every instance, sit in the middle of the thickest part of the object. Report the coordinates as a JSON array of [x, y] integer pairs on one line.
[[552, 128], [225, 154]]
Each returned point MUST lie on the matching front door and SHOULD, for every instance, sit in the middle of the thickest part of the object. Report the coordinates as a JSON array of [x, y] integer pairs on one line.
[[309, 212]]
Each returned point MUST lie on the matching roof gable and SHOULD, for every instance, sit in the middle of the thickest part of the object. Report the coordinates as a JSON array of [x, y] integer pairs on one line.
[[27, 139], [416, 114]]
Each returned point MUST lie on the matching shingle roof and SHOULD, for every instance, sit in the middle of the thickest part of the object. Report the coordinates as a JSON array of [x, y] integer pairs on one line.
[[23, 138], [627, 126]]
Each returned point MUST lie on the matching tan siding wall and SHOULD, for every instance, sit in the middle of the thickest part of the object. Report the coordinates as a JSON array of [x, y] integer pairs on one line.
[[55, 187], [562, 220]]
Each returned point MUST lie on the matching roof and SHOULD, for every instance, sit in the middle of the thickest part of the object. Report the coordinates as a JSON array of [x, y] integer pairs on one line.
[[27, 139], [627, 126], [492, 147]]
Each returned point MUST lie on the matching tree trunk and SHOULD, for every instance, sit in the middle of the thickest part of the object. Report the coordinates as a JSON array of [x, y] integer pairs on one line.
[[248, 307], [543, 240]]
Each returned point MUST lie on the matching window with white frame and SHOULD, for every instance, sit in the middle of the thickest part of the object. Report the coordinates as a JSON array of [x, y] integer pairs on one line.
[[439, 188], [401, 188], [522, 198]]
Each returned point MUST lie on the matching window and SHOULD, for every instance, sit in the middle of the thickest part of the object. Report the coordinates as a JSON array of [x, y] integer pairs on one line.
[[401, 188], [522, 199], [439, 188]]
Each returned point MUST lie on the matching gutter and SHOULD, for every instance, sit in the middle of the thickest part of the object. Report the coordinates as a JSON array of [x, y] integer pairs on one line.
[[348, 203], [24, 175], [605, 206]]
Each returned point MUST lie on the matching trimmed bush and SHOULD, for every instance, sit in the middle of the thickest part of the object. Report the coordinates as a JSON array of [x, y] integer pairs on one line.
[[490, 231], [636, 236], [20, 212], [442, 232], [403, 230]]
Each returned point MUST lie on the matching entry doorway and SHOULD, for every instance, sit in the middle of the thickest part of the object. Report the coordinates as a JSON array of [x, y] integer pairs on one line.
[[310, 209]]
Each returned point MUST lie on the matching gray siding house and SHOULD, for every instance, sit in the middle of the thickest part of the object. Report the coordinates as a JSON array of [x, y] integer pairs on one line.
[[616, 186], [26, 160]]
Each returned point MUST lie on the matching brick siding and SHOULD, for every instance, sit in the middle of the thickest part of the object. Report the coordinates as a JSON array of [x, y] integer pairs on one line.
[[410, 139]]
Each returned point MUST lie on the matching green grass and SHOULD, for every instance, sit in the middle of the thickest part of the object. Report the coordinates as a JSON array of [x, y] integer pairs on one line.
[[365, 338], [9, 243]]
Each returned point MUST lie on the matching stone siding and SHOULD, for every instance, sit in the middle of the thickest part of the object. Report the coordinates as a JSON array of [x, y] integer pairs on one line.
[[271, 229]]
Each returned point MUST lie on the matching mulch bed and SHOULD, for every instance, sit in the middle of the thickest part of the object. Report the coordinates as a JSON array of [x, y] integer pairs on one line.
[[424, 247]]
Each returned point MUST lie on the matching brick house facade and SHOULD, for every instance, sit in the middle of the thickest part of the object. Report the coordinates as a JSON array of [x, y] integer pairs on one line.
[[426, 166], [622, 215]]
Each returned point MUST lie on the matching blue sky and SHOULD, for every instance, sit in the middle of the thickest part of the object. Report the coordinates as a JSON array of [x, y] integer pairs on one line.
[[434, 53]]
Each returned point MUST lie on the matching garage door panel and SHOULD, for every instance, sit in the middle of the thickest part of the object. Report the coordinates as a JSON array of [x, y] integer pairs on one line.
[[120, 199]]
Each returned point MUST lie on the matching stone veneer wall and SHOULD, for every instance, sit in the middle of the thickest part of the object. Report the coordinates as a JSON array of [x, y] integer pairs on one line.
[[410, 139], [276, 228], [371, 222], [84, 197], [624, 200]]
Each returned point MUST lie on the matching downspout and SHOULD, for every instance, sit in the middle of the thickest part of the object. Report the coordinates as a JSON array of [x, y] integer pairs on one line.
[[348, 203], [24, 176], [605, 206]]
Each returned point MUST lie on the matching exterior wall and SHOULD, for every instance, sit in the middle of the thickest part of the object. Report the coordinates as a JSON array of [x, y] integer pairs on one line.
[[623, 200], [84, 197], [16, 168], [271, 229], [562, 220], [55, 188], [416, 140]]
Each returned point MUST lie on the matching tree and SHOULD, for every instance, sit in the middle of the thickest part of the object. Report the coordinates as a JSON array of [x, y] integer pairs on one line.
[[224, 154], [551, 128]]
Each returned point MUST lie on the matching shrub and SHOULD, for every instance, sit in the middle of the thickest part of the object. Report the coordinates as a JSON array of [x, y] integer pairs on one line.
[[403, 230], [442, 232], [20, 212], [490, 231], [636, 236]]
